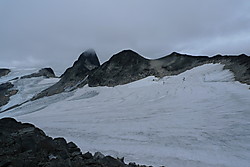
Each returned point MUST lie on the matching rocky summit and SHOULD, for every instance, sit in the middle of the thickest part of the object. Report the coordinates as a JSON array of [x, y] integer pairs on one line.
[[75, 76], [121, 68], [23, 144]]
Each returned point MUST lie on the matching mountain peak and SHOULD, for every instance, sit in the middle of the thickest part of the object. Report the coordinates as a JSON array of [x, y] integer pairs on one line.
[[90, 51], [89, 59], [127, 56]]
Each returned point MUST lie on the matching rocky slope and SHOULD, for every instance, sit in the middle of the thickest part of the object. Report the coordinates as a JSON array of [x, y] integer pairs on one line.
[[128, 66], [5, 92], [75, 76], [44, 72], [23, 144], [4, 71], [121, 68]]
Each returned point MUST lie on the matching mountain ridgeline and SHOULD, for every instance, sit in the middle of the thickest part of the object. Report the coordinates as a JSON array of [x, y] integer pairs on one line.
[[128, 66]]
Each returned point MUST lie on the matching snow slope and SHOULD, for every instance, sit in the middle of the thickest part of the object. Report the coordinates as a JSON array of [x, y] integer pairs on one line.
[[198, 118], [27, 87]]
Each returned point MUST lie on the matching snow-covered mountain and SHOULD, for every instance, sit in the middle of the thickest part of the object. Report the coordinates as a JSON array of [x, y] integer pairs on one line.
[[200, 117]]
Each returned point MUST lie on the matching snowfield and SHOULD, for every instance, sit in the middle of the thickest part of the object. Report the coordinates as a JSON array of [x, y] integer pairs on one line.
[[200, 118]]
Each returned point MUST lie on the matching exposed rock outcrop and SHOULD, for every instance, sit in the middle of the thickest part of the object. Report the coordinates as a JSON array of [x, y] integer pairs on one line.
[[4, 71], [45, 72], [121, 68], [75, 76], [239, 65], [23, 144], [5, 92], [127, 66]]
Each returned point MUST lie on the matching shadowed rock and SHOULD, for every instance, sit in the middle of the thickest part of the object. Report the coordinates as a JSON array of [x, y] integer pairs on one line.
[[6, 92], [75, 76], [23, 144], [45, 72], [121, 68], [4, 71], [239, 65]]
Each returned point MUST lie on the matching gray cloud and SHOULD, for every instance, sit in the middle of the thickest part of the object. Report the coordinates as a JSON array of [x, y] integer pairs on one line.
[[54, 32]]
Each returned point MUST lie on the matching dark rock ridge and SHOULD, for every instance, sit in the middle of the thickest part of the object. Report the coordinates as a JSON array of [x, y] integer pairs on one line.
[[128, 66], [44, 72], [4, 71], [121, 68], [75, 76], [5, 92], [23, 144]]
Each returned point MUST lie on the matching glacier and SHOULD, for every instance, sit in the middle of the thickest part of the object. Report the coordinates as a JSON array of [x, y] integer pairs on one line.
[[198, 118]]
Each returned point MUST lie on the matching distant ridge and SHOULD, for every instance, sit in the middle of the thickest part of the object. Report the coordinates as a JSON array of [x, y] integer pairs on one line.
[[128, 66]]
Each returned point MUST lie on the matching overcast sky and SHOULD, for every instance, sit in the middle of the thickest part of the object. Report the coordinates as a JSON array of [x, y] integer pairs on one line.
[[54, 32]]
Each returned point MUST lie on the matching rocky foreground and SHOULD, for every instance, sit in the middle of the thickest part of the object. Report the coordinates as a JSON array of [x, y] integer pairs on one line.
[[24, 145]]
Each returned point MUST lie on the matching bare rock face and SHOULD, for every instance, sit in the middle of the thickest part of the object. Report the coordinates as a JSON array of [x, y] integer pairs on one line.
[[6, 92], [176, 63], [23, 144], [4, 71], [239, 65], [75, 76], [45, 72], [121, 68]]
